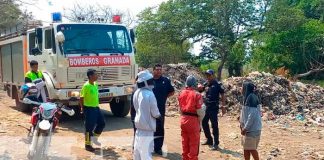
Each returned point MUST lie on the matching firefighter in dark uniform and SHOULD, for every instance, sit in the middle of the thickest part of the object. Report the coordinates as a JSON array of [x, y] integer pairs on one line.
[[214, 90], [162, 90]]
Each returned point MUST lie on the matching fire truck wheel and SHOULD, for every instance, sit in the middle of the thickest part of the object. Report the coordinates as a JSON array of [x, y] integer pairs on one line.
[[21, 106], [120, 108]]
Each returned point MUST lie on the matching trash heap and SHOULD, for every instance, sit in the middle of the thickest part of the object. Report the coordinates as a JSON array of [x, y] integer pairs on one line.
[[179, 72], [279, 96]]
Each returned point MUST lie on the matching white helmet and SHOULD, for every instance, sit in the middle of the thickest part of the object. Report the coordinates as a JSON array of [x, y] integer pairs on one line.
[[145, 79]]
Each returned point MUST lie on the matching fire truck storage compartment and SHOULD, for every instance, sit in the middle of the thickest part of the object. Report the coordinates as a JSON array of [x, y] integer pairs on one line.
[[12, 62]]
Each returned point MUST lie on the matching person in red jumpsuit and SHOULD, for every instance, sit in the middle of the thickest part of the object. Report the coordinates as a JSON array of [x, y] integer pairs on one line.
[[190, 102]]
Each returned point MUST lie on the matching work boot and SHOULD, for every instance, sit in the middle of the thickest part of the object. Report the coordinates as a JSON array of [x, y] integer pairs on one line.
[[159, 152], [89, 148], [215, 147], [207, 142]]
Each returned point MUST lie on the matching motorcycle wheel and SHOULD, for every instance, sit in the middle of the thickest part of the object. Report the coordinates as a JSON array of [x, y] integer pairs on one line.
[[39, 154]]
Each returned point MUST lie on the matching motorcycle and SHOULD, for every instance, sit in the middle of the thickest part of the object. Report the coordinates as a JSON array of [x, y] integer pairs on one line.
[[45, 118]]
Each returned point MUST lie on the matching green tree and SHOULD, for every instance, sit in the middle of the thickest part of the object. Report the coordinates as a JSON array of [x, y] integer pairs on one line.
[[157, 42], [293, 38], [9, 13], [221, 22], [236, 59]]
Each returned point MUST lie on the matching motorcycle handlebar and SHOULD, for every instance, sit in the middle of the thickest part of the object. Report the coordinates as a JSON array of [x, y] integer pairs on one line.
[[64, 108], [59, 105], [29, 101]]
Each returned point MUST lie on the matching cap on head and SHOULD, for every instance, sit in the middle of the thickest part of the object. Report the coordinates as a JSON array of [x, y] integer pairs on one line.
[[210, 72], [191, 81]]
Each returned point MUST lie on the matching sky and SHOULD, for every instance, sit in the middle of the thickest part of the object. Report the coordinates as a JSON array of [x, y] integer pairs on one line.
[[42, 9]]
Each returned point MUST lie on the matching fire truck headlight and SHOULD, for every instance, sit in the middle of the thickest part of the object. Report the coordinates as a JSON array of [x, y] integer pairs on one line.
[[129, 90], [73, 93]]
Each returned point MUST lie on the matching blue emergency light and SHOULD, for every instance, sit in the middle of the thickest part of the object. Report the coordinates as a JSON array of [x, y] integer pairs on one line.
[[56, 17]]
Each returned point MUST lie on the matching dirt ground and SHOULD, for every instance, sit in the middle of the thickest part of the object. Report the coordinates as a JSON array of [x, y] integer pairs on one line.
[[289, 141]]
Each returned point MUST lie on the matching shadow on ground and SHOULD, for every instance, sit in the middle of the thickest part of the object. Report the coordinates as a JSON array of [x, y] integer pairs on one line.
[[173, 156], [112, 123], [233, 153], [107, 153]]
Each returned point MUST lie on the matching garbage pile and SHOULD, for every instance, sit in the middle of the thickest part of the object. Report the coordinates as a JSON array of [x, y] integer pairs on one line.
[[279, 96], [178, 73]]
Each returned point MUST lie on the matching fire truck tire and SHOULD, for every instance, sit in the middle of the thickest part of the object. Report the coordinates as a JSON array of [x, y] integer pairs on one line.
[[120, 108], [21, 106], [7, 88]]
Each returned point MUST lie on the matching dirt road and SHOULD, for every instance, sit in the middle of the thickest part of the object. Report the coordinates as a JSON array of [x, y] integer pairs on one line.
[[289, 141]]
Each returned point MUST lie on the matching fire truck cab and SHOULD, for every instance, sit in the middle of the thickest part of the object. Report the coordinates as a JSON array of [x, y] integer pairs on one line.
[[64, 52]]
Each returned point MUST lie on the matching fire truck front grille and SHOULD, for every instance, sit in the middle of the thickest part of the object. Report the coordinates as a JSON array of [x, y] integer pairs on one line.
[[113, 74]]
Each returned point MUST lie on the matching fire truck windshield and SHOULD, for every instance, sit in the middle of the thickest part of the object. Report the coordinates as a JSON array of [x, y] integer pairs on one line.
[[95, 38]]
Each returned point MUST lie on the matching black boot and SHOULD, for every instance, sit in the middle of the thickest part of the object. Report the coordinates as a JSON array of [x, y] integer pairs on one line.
[[208, 142], [89, 148], [215, 147], [159, 152]]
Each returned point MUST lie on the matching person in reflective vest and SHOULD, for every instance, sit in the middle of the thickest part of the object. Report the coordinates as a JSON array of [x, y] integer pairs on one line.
[[34, 73], [36, 76], [89, 105]]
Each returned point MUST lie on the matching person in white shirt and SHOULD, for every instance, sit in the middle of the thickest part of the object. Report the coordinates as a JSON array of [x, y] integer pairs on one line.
[[146, 114]]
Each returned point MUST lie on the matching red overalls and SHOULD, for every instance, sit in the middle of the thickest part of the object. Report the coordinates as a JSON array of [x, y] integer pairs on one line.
[[189, 102]]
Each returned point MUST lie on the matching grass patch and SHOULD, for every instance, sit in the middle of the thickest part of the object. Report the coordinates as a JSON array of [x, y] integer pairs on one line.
[[316, 82]]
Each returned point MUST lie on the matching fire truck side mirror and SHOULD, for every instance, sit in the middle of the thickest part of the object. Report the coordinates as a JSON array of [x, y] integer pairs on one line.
[[132, 35], [60, 37], [39, 35]]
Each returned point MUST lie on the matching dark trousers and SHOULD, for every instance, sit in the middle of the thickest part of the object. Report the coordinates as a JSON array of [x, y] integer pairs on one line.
[[159, 134], [94, 123], [212, 116], [134, 128]]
